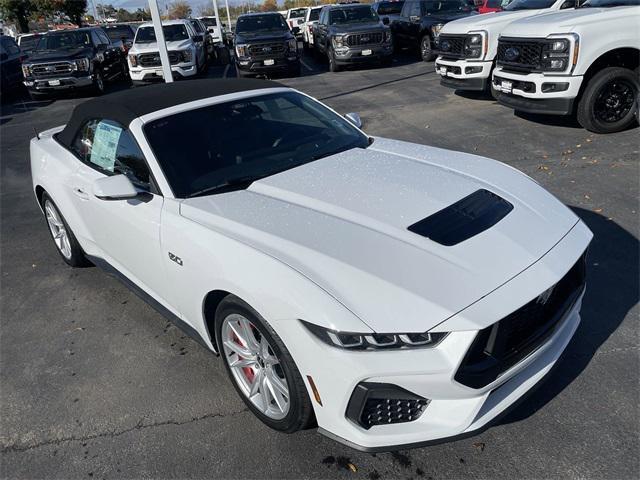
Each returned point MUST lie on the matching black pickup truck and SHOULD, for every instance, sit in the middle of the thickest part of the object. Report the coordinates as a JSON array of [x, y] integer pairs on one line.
[[350, 34], [420, 22], [264, 45], [74, 59]]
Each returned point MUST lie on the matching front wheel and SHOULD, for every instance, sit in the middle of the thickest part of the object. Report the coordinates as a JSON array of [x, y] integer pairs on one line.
[[333, 66], [426, 52], [261, 368], [98, 83], [63, 238], [609, 101]]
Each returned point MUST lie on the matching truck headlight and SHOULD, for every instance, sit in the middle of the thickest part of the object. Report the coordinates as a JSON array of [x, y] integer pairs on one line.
[[474, 45], [292, 45], [387, 36], [186, 55], [435, 29], [82, 64], [25, 71], [242, 50], [338, 41], [133, 60], [374, 341], [555, 54]]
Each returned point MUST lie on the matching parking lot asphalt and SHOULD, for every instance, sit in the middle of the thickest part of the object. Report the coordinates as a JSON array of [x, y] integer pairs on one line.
[[94, 383]]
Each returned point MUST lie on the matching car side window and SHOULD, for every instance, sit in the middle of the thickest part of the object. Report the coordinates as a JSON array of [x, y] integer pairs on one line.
[[10, 47], [111, 149], [414, 9], [104, 39]]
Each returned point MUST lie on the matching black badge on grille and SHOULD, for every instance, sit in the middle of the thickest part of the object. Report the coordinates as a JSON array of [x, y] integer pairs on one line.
[[445, 45], [511, 54], [266, 49], [364, 39]]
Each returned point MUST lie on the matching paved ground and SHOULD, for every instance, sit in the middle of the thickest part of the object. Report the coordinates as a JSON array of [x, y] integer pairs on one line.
[[96, 384]]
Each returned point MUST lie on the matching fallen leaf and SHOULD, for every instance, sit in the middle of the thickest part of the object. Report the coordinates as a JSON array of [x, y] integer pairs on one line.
[[479, 445], [352, 467], [598, 210], [587, 197], [578, 146]]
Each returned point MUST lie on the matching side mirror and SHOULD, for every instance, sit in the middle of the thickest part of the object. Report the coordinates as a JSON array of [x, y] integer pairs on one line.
[[197, 38], [385, 20], [116, 187], [354, 118], [414, 19]]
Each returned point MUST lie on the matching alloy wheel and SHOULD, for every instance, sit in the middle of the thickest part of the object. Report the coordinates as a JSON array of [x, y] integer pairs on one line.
[[58, 229], [255, 367], [614, 101]]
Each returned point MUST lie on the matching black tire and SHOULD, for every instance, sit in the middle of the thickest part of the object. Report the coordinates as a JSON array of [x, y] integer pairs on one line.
[[426, 52], [77, 257], [333, 66], [300, 414], [98, 83], [224, 57], [609, 101]]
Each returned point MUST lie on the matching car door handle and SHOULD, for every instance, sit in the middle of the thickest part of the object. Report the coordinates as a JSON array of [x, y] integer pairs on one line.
[[81, 193]]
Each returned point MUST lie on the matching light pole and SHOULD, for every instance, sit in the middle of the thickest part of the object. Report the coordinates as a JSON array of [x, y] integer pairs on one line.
[[162, 46]]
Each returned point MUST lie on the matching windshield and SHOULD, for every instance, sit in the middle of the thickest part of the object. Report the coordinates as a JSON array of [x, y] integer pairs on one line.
[[363, 14], [64, 40], [119, 31], [29, 43], [314, 14], [448, 6], [529, 4], [172, 33], [209, 21], [390, 8], [609, 3], [298, 13], [261, 23], [248, 139]]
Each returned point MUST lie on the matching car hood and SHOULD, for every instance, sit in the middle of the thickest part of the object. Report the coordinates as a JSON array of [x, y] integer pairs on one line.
[[153, 46], [566, 21], [342, 222], [491, 23], [57, 55], [448, 17], [265, 37], [358, 27]]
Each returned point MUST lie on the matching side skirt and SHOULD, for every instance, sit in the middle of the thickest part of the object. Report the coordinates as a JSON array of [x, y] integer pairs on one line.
[[177, 321]]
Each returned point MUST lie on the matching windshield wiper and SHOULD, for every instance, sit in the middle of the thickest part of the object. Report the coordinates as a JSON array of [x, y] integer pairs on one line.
[[233, 184]]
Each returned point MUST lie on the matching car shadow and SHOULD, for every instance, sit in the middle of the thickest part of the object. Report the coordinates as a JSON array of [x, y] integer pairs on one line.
[[475, 95], [613, 286], [569, 121]]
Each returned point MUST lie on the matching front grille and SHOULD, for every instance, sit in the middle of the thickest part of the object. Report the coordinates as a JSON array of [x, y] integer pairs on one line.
[[520, 55], [267, 50], [505, 343], [52, 69], [153, 59], [372, 404], [451, 46], [360, 39]]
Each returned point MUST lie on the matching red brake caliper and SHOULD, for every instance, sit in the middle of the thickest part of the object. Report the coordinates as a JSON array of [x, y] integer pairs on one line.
[[248, 371]]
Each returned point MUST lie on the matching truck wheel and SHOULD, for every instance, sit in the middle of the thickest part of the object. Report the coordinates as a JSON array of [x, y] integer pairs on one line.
[[333, 66], [98, 84], [426, 52], [609, 101]]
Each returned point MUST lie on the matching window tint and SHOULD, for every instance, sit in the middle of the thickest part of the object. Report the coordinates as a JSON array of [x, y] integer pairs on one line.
[[10, 46], [412, 9], [104, 39], [110, 148], [389, 8]]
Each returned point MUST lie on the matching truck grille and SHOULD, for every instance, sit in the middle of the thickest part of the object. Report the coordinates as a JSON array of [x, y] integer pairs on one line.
[[52, 69], [152, 59], [520, 55], [451, 46], [502, 345], [267, 50], [359, 39]]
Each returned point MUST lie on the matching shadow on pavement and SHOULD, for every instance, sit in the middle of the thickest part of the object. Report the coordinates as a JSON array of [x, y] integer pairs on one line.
[[613, 285]]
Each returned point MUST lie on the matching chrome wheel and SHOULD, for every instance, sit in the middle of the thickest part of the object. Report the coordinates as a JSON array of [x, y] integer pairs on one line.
[[255, 367], [58, 230]]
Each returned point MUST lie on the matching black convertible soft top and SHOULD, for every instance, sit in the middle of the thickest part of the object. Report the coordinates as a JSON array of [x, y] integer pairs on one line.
[[123, 107]]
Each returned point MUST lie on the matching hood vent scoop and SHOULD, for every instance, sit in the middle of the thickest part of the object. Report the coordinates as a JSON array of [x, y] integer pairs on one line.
[[464, 219]]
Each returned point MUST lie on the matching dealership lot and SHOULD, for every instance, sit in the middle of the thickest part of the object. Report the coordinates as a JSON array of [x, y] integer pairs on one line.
[[96, 384]]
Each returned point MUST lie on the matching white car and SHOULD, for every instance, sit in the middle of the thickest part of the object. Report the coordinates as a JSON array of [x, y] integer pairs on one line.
[[467, 47], [186, 49], [214, 30], [392, 293], [295, 19], [311, 18]]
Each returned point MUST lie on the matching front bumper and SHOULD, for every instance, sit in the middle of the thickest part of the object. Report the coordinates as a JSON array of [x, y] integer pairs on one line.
[[51, 84], [531, 92], [283, 64], [359, 54], [454, 409], [148, 74], [464, 74]]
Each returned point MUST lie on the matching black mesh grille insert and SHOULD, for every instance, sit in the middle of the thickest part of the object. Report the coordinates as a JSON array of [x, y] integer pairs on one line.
[[451, 45], [358, 39], [464, 219], [519, 54], [505, 343]]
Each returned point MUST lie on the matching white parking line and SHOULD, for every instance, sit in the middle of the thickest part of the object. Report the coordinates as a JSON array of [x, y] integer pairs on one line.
[[226, 70], [306, 66]]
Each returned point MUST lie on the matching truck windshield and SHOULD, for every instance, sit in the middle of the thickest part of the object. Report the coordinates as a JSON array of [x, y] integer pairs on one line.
[[609, 3], [390, 8], [29, 43], [117, 32], [261, 23], [446, 6], [297, 13], [240, 141], [64, 40], [314, 14], [359, 14], [529, 4], [209, 21], [172, 33]]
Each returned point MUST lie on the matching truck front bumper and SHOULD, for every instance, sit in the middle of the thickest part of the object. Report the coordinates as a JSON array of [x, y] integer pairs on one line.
[[464, 74], [148, 74], [364, 54], [260, 67], [537, 92], [46, 85]]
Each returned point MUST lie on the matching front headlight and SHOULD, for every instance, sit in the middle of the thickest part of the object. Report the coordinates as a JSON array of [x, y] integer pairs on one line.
[[187, 55], [25, 71], [473, 45], [242, 50], [293, 45], [387, 36], [435, 29], [338, 41], [133, 60], [82, 65], [555, 54], [374, 341]]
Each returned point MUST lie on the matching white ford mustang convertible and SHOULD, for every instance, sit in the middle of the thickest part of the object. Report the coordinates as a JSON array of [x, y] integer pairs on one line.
[[390, 293]]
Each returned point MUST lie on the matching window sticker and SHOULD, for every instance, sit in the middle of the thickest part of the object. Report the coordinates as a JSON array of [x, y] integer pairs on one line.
[[105, 146]]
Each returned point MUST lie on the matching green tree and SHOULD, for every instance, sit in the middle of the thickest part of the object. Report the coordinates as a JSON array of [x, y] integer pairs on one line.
[[17, 11], [270, 6], [179, 9]]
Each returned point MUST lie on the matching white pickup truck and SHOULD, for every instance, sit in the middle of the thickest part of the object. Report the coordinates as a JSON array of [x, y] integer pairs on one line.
[[467, 47], [585, 61]]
